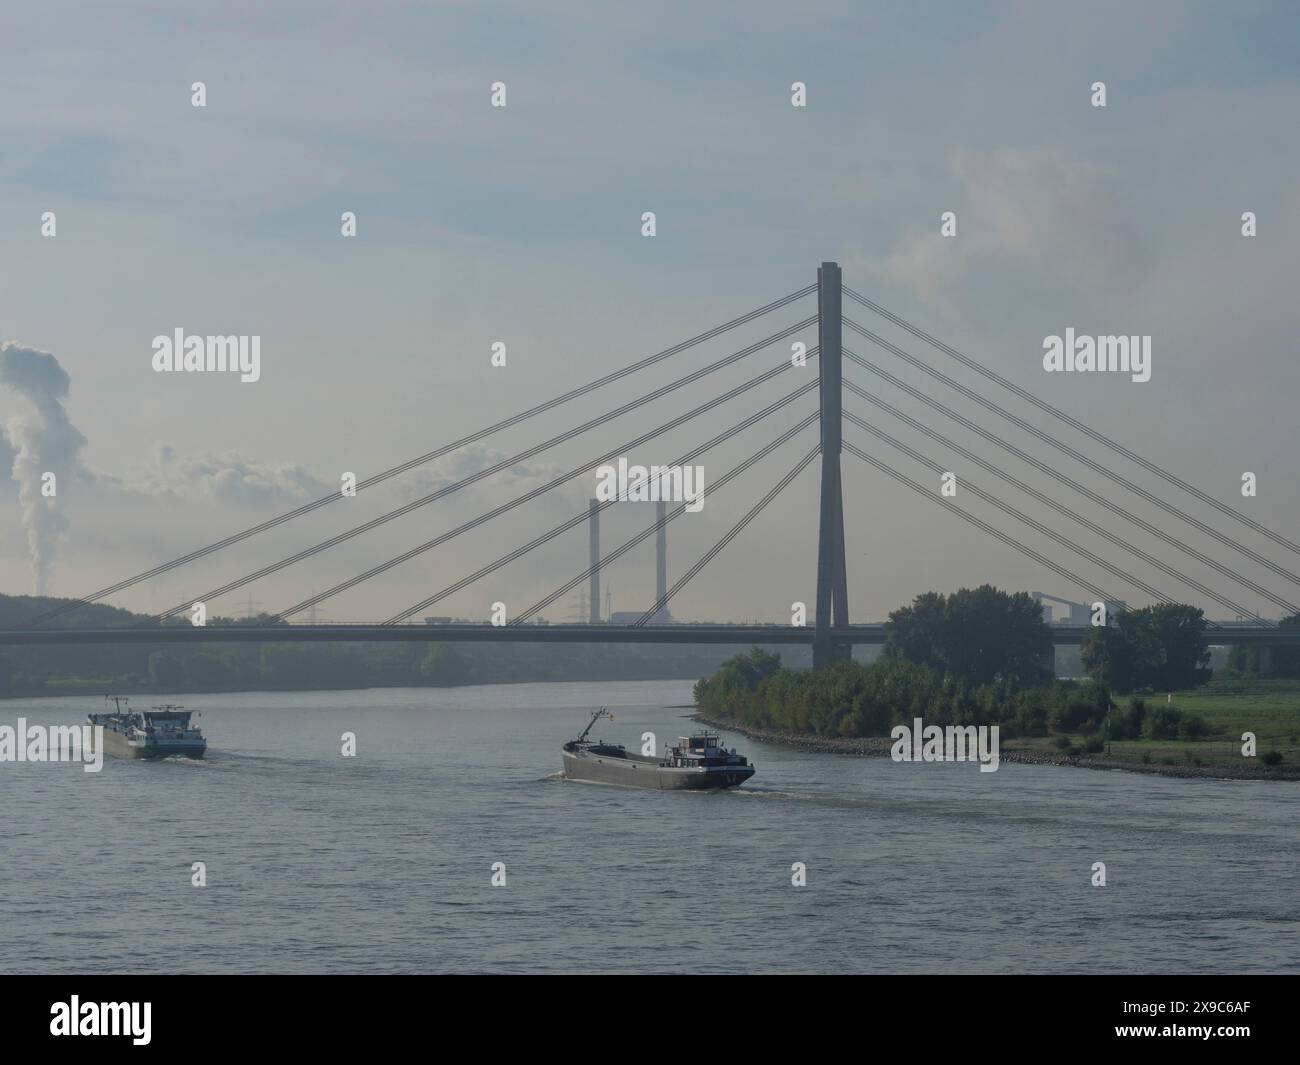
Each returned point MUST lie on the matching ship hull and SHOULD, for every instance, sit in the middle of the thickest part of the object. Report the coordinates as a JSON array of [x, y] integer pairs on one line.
[[117, 746], [632, 772]]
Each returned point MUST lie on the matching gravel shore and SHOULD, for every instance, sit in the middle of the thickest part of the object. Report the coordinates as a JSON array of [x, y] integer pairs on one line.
[[879, 745]]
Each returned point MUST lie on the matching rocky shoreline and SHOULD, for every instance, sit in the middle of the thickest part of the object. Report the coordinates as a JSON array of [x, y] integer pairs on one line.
[[879, 745]]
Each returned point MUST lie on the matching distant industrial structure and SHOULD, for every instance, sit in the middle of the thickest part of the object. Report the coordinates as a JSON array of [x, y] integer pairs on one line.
[[661, 616], [627, 617], [1076, 613], [593, 540]]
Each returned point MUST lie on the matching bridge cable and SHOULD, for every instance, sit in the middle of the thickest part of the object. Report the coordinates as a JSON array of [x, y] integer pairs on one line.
[[579, 519], [471, 438], [576, 471], [533, 493], [1042, 467], [713, 552], [1023, 517], [669, 516], [497, 468], [967, 516], [1087, 430], [1058, 507], [1047, 438]]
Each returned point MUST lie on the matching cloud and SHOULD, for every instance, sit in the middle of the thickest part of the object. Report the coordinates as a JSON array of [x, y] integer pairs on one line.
[[514, 480], [231, 477], [7, 454], [1038, 212], [226, 477], [42, 441]]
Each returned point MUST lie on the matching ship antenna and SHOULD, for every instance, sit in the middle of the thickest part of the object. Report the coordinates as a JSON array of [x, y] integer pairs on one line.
[[602, 712]]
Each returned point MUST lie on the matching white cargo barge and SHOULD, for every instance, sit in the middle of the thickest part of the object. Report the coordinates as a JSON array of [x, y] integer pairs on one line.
[[160, 732]]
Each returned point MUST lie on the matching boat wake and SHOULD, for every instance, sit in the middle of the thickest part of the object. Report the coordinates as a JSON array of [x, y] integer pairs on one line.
[[820, 798]]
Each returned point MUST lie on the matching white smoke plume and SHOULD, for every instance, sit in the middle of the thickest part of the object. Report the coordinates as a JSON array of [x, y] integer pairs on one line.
[[44, 441]]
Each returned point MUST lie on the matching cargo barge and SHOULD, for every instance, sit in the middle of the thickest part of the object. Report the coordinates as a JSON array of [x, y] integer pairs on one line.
[[698, 762], [160, 732]]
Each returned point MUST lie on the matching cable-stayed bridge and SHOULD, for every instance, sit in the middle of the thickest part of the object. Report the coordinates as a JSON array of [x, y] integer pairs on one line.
[[1062, 635], [831, 633]]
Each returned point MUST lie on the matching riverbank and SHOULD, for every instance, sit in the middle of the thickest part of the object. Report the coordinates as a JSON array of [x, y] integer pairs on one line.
[[1011, 751], [96, 688]]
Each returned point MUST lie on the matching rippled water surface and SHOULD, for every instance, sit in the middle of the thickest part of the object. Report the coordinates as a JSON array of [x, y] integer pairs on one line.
[[382, 863]]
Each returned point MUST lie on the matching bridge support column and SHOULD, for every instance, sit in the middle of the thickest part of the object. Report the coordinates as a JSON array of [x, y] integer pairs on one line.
[[832, 576], [1265, 660]]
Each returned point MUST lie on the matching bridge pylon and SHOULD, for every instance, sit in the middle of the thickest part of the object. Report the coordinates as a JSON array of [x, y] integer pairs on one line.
[[832, 576]]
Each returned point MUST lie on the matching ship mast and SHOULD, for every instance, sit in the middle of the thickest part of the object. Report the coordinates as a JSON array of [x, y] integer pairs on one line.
[[602, 712]]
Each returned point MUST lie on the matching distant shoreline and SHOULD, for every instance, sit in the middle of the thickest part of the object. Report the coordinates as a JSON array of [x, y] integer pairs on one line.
[[866, 746], [76, 692]]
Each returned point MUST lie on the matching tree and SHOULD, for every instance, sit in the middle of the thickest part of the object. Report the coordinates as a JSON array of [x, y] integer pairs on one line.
[[444, 666], [1161, 647], [981, 636], [743, 673], [1242, 661], [205, 671], [1115, 657], [1286, 660], [166, 671], [919, 633]]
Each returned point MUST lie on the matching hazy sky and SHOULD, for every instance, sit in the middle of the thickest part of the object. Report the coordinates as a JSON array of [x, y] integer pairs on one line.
[[522, 224]]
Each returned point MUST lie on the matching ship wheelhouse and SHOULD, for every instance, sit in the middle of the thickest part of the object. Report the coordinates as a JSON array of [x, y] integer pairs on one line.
[[170, 723], [703, 748]]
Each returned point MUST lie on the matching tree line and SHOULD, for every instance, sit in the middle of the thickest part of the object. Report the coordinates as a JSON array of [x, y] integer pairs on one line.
[[95, 668], [983, 656], [851, 699]]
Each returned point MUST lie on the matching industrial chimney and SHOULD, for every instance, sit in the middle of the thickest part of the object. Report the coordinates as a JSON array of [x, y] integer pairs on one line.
[[661, 561], [593, 522]]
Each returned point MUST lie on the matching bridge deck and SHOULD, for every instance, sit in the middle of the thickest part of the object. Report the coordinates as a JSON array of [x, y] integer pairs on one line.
[[683, 634]]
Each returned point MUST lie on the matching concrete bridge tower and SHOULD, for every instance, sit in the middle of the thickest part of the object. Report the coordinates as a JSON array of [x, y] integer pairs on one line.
[[832, 577]]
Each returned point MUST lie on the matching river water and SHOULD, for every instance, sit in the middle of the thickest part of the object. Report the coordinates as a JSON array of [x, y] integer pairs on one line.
[[383, 862]]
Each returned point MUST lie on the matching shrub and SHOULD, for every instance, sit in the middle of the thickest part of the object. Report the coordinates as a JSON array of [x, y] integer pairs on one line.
[[1094, 745], [1162, 723], [1192, 727], [1146, 757], [1063, 743], [1271, 757], [1074, 713], [1031, 716], [1126, 724]]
